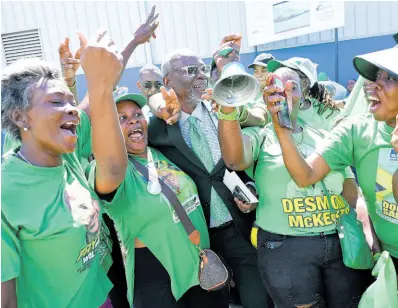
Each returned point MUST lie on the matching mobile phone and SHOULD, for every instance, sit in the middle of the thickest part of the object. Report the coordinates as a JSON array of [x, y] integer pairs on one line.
[[240, 195], [283, 114]]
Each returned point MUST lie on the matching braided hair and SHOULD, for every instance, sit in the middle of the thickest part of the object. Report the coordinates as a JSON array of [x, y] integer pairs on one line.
[[321, 98]]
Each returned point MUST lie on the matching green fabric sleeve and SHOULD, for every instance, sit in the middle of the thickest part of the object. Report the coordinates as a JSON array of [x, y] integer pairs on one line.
[[10, 251], [120, 192], [256, 135], [338, 148]]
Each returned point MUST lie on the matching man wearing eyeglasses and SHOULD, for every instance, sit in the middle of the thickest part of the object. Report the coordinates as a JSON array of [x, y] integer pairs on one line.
[[150, 80], [192, 144]]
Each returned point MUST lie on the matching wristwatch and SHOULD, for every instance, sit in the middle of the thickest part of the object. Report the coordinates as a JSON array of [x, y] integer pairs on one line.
[[253, 185]]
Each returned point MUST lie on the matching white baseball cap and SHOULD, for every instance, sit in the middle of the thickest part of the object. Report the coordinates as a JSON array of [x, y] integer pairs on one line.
[[369, 64]]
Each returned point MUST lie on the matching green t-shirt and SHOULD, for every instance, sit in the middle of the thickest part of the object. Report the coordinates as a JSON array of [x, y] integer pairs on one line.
[[323, 121], [364, 143], [284, 208], [51, 233], [151, 219]]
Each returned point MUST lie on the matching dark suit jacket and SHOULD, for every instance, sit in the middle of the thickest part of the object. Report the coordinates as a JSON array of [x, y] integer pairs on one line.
[[169, 140]]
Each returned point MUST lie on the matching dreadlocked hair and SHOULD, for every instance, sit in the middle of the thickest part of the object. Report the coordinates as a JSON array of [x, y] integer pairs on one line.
[[319, 96]]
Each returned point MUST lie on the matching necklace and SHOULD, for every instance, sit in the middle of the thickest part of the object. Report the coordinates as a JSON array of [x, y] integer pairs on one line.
[[24, 158]]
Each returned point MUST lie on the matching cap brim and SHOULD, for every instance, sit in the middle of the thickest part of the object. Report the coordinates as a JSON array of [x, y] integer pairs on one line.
[[140, 100], [273, 65], [369, 64], [257, 63]]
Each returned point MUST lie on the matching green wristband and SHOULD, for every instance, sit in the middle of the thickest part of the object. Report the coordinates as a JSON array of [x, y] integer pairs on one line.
[[243, 114], [233, 116]]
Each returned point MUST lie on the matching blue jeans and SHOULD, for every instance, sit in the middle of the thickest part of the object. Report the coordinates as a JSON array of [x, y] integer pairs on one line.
[[308, 271]]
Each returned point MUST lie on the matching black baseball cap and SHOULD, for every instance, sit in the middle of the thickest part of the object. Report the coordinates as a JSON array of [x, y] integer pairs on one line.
[[262, 60]]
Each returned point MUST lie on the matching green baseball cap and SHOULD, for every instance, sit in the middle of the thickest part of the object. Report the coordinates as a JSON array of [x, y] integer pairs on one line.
[[296, 63], [122, 94]]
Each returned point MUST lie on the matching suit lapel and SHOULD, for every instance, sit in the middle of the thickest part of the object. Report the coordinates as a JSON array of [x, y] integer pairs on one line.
[[174, 132], [218, 167]]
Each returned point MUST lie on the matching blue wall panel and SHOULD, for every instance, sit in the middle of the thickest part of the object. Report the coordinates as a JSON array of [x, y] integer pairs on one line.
[[323, 54]]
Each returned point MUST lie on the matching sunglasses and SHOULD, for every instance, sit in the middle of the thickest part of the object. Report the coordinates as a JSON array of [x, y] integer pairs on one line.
[[193, 70], [147, 85]]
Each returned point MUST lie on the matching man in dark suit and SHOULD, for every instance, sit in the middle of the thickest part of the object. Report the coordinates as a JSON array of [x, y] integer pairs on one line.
[[192, 144]]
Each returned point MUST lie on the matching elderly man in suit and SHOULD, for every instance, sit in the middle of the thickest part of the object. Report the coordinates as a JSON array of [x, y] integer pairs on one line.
[[192, 144]]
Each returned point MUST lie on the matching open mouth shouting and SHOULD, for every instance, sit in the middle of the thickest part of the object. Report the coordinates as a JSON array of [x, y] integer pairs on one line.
[[374, 104], [69, 128], [136, 135]]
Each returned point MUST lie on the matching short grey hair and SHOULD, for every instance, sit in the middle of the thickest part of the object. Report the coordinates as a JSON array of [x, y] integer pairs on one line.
[[150, 68], [174, 55], [18, 83]]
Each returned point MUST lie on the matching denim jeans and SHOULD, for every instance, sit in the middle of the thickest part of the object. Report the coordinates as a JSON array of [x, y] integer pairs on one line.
[[308, 271]]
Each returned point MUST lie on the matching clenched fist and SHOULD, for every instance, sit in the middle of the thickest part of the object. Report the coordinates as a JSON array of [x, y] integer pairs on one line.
[[101, 61], [228, 51]]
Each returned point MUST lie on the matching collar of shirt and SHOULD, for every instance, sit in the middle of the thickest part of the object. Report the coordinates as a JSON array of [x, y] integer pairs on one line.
[[199, 113]]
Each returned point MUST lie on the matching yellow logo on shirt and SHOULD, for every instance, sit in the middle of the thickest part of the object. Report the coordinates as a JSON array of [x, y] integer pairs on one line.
[[386, 206], [87, 253], [390, 209], [301, 211]]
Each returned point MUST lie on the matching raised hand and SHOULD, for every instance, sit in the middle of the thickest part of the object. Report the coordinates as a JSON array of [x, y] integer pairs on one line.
[[166, 106], [100, 60], [173, 106], [147, 29], [228, 51], [69, 63], [271, 96]]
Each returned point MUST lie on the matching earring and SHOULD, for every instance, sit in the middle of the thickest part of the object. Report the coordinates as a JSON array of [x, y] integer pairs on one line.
[[25, 129]]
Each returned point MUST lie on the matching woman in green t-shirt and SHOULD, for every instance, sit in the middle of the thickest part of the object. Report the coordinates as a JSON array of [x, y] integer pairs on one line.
[[364, 142], [53, 245], [299, 255], [161, 262]]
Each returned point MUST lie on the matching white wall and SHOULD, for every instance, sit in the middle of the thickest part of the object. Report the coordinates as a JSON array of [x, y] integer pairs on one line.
[[362, 19], [198, 25]]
